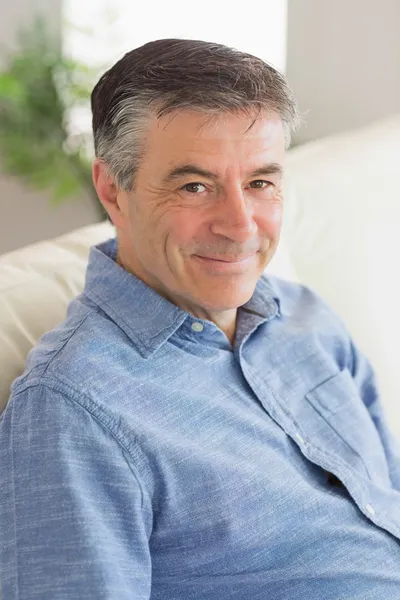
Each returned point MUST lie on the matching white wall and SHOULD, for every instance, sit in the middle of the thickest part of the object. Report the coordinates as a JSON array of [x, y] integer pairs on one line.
[[25, 216], [118, 26], [343, 62]]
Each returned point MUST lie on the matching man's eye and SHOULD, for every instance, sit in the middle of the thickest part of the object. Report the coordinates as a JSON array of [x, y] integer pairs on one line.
[[197, 188], [261, 184], [193, 188]]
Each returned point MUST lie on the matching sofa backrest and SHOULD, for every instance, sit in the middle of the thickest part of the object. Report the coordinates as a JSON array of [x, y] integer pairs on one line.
[[343, 237]]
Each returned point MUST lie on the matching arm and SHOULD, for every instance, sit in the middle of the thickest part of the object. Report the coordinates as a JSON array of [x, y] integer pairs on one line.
[[365, 379], [74, 518]]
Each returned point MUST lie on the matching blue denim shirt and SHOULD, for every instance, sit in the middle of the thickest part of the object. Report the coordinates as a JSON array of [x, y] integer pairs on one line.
[[144, 457]]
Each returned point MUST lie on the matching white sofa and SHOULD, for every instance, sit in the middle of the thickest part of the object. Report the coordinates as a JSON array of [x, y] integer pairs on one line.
[[340, 237]]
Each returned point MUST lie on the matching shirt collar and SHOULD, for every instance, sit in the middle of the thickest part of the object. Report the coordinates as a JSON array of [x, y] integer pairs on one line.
[[146, 317]]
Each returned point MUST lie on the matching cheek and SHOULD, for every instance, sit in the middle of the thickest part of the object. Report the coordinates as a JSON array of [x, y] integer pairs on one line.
[[180, 236], [274, 214], [181, 227], [270, 217]]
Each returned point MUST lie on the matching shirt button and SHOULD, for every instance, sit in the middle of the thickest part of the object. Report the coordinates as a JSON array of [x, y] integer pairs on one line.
[[370, 509], [298, 436], [197, 326]]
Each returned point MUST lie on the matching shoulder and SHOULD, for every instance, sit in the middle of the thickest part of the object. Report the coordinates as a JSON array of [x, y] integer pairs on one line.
[[79, 355], [49, 411]]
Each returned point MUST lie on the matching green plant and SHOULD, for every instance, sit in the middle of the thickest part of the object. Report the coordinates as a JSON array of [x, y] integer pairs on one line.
[[40, 89]]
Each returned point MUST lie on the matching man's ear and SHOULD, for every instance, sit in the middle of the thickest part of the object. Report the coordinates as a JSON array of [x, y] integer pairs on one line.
[[111, 198]]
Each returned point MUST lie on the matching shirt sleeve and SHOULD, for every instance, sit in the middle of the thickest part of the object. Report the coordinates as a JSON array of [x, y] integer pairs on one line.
[[365, 378], [75, 520]]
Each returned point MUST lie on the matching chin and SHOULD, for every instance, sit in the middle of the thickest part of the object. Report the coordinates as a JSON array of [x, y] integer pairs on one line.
[[223, 299]]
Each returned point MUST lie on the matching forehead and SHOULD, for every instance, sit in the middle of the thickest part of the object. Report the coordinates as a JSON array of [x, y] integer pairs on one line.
[[194, 134]]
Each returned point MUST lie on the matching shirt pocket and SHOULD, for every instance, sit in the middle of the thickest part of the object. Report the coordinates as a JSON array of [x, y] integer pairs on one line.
[[345, 427]]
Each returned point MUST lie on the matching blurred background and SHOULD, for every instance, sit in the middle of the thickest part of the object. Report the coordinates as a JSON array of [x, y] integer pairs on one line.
[[341, 59]]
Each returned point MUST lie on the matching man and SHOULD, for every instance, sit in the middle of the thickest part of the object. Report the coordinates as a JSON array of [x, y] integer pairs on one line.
[[196, 429]]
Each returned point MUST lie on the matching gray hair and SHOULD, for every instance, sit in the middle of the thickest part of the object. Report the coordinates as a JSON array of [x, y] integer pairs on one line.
[[167, 75]]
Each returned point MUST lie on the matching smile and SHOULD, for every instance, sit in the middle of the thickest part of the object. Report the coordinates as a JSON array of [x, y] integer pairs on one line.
[[224, 265]]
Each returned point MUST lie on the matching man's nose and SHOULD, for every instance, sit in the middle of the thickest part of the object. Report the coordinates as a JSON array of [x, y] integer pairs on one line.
[[234, 217]]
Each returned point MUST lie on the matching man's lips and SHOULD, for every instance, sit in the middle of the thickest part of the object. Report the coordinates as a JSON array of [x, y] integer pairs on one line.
[[232, 265], [228, 259]]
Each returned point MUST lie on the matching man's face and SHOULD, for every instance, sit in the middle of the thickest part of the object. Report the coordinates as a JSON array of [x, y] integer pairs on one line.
[[206, 189]]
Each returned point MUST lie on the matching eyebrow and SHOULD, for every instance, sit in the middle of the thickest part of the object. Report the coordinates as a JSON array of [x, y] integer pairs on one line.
[[192, 169]]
